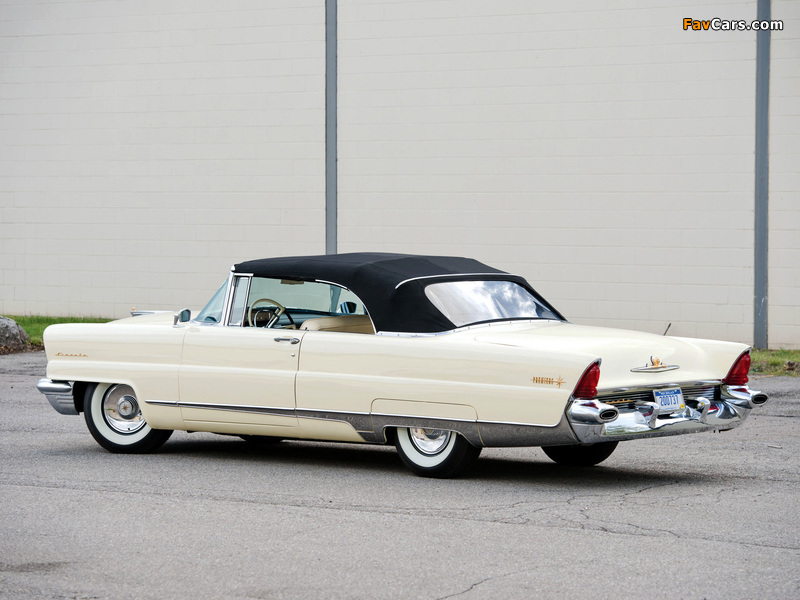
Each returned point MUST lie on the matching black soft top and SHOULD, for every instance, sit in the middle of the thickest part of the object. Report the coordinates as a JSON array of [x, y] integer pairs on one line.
[[392, 286]]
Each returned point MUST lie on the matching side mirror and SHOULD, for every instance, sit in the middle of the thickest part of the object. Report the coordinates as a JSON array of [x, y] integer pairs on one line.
[[182, 317]]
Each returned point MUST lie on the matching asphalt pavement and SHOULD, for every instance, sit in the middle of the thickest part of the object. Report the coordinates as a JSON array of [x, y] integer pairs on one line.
[[697, 516]]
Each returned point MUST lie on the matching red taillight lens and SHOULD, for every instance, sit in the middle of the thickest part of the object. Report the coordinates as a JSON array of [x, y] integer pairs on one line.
[[738, 373], [587, 386]]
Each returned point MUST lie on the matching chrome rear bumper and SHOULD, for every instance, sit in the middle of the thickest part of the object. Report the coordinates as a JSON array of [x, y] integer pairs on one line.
[[644, 420], [59, 393]]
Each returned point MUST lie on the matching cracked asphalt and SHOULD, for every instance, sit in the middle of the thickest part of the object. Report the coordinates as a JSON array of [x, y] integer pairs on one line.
[[698, 516]]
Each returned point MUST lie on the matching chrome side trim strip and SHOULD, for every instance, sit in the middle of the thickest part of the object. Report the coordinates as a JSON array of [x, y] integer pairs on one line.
[[517, 424], [240, 408], [361, 422], [372, 427], [162, 402], [333, 412]]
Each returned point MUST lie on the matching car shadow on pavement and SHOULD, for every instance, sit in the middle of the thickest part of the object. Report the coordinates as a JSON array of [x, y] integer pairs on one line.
[[607, 475], [384, 460], [288, 451]]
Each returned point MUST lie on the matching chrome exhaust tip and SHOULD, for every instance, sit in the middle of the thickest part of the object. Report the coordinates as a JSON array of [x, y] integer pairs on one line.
[[592, 411], [743, 397], [608, 414]]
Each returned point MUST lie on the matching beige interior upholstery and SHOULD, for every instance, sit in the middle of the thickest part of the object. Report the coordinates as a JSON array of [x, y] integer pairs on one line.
[[344, 323]]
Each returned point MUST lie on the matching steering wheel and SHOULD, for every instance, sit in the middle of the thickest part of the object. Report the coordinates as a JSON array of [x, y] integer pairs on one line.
[[251, 314]]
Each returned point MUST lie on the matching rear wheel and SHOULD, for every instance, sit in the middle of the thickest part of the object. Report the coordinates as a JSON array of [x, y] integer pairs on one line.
[[115, 421], [435, 452], [580, 456]]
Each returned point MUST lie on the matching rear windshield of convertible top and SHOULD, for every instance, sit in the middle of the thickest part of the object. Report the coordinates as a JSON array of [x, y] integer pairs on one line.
[[469, 302]]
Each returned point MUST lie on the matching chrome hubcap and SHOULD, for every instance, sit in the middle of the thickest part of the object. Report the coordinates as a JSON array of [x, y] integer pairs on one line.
[[121, 410], [429, 441], [127, 407]]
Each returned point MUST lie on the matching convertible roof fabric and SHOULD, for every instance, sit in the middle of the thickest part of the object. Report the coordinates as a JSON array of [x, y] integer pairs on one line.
[[392, 286]]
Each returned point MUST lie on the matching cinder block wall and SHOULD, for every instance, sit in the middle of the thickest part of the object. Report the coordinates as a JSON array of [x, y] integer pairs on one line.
[[602, 152], [147, 146]]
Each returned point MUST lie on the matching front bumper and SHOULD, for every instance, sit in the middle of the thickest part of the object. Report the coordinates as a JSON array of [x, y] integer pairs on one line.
[[593, 421], [59, 393]]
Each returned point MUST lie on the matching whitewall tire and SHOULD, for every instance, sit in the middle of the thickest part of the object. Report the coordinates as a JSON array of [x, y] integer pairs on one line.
[[115, 421], [435, 452]]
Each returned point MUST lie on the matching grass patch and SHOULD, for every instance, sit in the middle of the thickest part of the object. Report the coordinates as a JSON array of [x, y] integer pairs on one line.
[[775, 362], [34, 325]]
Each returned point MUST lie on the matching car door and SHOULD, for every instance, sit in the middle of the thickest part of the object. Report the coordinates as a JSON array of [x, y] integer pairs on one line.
[[240, 375]]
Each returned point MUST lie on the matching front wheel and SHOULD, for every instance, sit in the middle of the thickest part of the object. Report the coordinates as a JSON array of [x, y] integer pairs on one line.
[[435, 452], [115, 421], [580, 456]]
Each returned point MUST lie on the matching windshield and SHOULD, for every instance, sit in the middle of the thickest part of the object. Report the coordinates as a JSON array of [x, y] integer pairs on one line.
[[469, 302], [212, 313]]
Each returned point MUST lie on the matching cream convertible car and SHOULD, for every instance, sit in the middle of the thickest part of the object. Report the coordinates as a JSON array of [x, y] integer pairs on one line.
[[439, 356]]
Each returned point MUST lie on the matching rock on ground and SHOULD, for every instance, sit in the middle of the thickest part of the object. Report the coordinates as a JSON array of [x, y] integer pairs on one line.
[[12, 336]]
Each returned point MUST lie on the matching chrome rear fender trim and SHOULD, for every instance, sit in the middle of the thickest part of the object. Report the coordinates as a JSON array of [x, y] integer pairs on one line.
[[506, 435], [479, 433]]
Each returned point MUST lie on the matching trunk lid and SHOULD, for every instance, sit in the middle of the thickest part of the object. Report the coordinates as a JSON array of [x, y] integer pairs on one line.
[[622, 350]]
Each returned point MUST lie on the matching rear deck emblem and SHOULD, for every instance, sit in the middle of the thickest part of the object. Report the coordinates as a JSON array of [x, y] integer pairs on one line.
[[655, 366]]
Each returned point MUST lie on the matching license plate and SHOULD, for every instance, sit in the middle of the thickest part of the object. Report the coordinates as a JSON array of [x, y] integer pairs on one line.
[[669, 400]]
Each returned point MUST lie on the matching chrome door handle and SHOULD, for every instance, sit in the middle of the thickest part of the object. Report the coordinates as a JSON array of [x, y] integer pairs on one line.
[[288, 339]]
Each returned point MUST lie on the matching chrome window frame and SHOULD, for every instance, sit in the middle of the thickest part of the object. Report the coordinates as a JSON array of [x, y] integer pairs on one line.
[[230, 296], [226, 307], [229, 293]]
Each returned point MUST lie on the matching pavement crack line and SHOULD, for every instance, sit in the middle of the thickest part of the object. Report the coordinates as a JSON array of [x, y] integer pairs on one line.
[[588, 523], [478, 584]]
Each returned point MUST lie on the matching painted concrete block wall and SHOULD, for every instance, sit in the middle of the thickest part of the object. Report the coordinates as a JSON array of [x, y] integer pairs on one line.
[[784, 184], [146, 146], [601, 151]]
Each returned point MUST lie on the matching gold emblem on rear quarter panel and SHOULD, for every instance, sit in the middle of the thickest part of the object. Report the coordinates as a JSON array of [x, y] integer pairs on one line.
[[549, 381]]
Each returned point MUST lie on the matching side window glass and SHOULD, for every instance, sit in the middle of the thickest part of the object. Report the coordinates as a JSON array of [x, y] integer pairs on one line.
[[212, 313], [288, 303], [240, 286], [347, 303]]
